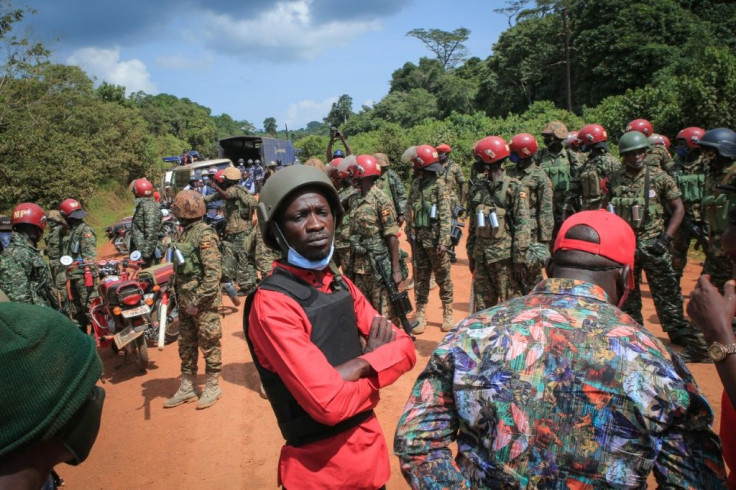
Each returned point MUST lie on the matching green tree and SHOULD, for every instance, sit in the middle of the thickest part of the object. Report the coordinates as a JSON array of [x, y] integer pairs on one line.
[[340, 111], [447, 46], [269, 125]]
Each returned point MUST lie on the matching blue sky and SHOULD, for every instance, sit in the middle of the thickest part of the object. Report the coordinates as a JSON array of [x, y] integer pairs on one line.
[[255, 59]]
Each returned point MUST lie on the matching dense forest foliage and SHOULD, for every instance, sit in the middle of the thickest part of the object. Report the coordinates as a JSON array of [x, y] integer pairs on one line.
[[672, 62]]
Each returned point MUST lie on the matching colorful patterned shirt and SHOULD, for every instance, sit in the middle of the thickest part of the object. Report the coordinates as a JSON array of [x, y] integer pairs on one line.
[[557, 389]]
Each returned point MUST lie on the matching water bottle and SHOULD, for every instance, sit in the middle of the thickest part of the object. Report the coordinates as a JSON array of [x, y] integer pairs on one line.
[[481, 219], [169, 252], [610, 208], [75, 248], [636, 212], [179, 257], [433, 212], [494, 220]]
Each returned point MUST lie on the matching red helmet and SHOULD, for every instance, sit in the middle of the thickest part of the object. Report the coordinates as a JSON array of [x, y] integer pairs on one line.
[[641, 125], [691, 136], [156, 196], [68, 206], [219, 176], [659, 139], [365, 166], [142, 188], [572, 139], [592, 134], [491, 149], [29, 213], [342, 168], [424, 156], [443, 148], [523, 144]]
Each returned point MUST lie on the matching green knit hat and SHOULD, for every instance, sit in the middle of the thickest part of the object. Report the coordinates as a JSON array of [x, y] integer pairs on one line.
[[48, 367]]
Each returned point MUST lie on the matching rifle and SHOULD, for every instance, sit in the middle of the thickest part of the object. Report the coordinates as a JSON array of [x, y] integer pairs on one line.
[[455, 232], [701, 237], [45, 291]]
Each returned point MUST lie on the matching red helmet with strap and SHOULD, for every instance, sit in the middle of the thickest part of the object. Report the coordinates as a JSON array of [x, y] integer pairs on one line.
[[692, 136], [443, 148], [491, 149], [523, 144], [365, 166], [424, 156], [29, 213], [142, 188], [659, 140], [641, 125], [68, 206], [342, 168], [592, 134]]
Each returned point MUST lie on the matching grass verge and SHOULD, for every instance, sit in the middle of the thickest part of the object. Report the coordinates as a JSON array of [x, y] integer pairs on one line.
[[111, 202]]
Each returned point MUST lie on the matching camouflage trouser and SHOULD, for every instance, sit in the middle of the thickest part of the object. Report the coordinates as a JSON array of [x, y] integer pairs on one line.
[[376, 295], [59, 276], [203, 331], [82, 297], [426, 261], [665, 290], [494, 283], [720, 268], [680, 246], [237, 263]]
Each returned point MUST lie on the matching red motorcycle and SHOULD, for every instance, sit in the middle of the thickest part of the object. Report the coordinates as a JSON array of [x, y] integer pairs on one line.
[[121, 313], [156, 284]]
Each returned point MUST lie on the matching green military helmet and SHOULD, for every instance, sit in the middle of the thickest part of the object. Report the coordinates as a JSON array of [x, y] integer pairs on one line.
[[277, 190], [633, 140], [556, 129]]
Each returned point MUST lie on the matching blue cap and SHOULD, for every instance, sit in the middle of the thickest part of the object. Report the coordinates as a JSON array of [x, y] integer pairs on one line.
[[338, 154]]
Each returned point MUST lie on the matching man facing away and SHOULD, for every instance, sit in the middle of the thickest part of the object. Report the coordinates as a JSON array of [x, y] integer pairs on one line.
[[322, 351], [561, 388]]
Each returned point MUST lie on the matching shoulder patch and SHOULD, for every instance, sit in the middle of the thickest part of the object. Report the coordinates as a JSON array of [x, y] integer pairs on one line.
[[87, 235], [205, 245], [522, 195]]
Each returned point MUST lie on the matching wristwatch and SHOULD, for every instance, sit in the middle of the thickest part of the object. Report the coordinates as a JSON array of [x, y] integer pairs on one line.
[[719, 352]]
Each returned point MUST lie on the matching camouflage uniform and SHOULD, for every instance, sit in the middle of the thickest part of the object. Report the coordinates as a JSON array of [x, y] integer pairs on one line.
[[80, 242], [390, 183], [197, 282], [714, 208], [24, 275], [428, 234], [690, 178], [496, 250], [372, 222], [342, 234], [593, 174], [625, 191], [265, 256], [238, 264], [453, 177], [54, 246], [562, 170], [658, 156], [145, 228]]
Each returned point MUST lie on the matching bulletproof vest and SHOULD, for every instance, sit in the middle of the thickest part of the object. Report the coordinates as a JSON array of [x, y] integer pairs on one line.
[[691, 186], [558, 170], [334, 332], [494, 203]]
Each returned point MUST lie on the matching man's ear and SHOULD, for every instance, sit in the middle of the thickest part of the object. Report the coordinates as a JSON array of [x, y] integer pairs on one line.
[[549, 264]]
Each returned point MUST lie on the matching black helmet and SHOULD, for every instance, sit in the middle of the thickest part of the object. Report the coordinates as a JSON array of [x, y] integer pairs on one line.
[[280, 186], [722, 139]]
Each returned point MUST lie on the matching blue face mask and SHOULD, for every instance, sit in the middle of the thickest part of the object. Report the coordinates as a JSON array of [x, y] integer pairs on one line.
[[681, 151], [514, 158], [298, 260]]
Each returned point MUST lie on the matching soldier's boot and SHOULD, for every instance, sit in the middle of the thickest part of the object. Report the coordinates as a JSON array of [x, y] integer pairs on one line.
[[184, 394], [447, 320], [420, 317], [211, 393]]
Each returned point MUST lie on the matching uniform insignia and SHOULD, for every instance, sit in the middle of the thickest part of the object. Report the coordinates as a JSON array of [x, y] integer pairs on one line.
[[385, 213], [204, 245], [652, 193], [522, 195], [88, 235]]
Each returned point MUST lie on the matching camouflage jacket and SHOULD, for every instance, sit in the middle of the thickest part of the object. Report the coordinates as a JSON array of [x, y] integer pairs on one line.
[[562, 170], [593, 176], [80, 242], [239, 208], [390, 183], [372, 221], [690, 178], [716, 204], [658, 156], [540, 196], [53, 241], [455, 180], [511, 207], [423, 195], [342, 234], [24, 274], [145, 226], [625, 191], [197, 281]]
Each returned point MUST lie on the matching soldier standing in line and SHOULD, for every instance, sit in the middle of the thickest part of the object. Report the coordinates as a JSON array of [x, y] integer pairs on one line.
[[146, 224], [689, 172], [79, 243], [339, 174], [54, 246], [456, 186], [428, 230], [390, 183], [597, 168], [24, 275], [718, 154], [498, 238], [523, 148], [657, 156], [239, 208], [638, 193], [561, 167], [373, 236], [197, 287]]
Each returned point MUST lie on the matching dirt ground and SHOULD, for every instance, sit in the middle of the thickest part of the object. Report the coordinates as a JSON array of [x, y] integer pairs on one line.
[[236, 442]]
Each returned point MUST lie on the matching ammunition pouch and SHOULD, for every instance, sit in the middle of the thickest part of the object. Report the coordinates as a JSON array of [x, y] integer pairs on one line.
[[591, 184], [559, 175], [691, 187], [715, 210], [191, 263]]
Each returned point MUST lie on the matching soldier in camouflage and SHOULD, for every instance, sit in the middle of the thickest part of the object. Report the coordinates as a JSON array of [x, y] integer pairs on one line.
[[240, 207], [428, 229], [638, 194], [146, 224], [338, 172], [24, 275], [6, 229], [197, 288], [390, 183], [599, 165], [561, 166], [265, 255], [53, 251], [718, 154], [453, 176], [498, 238], [79, 243], [689, 172], [373, 237], [657, 156], [523, 148]]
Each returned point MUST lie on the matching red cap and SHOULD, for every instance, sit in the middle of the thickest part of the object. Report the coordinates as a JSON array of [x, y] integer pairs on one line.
[[617, 239], [443, 148]]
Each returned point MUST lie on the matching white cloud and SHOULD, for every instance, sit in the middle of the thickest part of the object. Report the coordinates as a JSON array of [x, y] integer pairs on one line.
[[305, 111], [106, 65], [181, 62], [284, 33]]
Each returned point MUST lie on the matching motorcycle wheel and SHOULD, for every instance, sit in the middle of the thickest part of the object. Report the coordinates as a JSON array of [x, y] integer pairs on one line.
[[140, 353]]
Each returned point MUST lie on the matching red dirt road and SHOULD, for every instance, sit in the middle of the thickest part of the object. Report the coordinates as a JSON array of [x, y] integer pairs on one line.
[[235, 443]]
